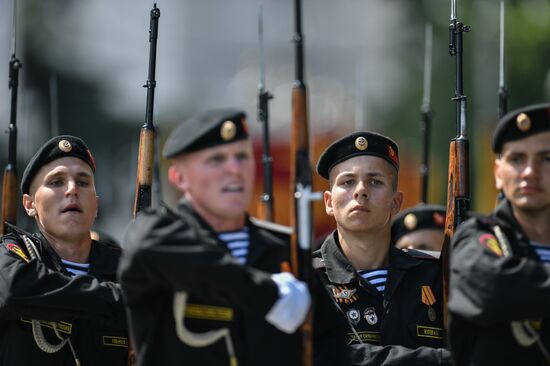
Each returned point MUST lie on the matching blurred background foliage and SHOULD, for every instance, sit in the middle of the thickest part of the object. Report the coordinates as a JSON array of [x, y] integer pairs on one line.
[[85, 63]]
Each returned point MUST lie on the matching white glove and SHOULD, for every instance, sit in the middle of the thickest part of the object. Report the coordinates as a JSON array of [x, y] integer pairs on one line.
[[290, 310]]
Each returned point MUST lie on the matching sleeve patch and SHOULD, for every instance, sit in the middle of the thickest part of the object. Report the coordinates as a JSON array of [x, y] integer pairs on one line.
[[490, 242], [14, 248]]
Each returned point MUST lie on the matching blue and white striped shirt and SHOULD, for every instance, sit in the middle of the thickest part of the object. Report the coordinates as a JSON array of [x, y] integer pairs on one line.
[[237, 242], [76, 269], [543, 251], [376, 277]]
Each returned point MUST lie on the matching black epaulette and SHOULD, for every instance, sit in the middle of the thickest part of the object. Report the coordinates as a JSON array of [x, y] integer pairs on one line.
[[422, 254], [318, 263], [271, 226]]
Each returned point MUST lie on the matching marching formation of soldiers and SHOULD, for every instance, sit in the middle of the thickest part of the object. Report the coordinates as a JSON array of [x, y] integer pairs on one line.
[[205, 283]]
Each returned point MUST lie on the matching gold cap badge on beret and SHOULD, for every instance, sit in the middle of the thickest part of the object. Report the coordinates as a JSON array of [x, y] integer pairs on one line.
[[228, 130], [523, 122], [361, 143], [410, 221], [65, 146]]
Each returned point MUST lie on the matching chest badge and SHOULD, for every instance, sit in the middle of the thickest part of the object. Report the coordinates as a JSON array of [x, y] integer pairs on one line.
[[428, 298], [344, 295], [370, 316], [354, 316]]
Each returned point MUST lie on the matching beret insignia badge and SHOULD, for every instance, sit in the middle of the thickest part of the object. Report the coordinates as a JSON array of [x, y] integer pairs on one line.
[[523, 122], [410, 221], [228, 130], [361, 143], [64, 146]]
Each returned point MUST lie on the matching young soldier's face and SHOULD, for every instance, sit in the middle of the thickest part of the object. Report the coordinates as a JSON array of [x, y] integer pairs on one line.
[[362, 197], [523, 172], [63, 198], [218, 181]]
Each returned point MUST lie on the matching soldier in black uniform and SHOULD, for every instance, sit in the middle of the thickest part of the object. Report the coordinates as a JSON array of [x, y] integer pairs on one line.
[[211, 249], [499, 301], [392, 299], [420, 227], [58, 297]]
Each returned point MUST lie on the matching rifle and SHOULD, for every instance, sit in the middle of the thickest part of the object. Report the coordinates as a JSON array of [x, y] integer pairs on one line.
[[502, 91], [458, 192], [9, 182], [301, 181], [426, 112], [267, 205], [146, 158]]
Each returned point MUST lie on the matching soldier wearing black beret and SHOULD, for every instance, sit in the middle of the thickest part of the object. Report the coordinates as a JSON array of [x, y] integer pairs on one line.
[[226, 261], [59, 302], [419, 227], [499, 301], [392, 299]]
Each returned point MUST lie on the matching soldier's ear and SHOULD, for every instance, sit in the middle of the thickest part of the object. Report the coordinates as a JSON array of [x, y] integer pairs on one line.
[[496, 172], [327, 198], [397, 202], [176, 177], [28, 204]]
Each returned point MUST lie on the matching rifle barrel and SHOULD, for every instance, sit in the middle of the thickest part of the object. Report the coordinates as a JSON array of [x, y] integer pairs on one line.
[[267, 209]]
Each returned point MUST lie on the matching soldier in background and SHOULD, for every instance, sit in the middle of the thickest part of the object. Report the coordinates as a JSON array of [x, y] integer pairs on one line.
[[420, 227], [499, 301], [392, 299], [58, 299]]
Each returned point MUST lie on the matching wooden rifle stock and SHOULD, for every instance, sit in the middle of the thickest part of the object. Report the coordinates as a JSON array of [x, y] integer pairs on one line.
[[300, 204], [458, 191], [144, 179], [458, 202], [300, 219], [9, 181]]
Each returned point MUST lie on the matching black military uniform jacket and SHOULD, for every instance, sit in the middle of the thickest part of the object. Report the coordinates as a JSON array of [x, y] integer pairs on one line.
[[87, 310], [488, 290], [397, 327], [173, 251]]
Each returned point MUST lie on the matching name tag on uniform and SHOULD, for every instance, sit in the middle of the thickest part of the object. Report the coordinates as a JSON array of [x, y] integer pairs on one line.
[[429, 332], [208, 312], [366, 337], [115, 341]]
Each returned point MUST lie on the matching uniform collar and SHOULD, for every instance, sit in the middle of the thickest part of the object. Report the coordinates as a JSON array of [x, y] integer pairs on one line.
[[505, 215], [339, 270], [208, 235], [103, 260]]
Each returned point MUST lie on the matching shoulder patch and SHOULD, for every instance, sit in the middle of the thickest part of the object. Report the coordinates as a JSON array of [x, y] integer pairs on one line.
[[17, 250], [490, 242], [422, 254], [272, 226]]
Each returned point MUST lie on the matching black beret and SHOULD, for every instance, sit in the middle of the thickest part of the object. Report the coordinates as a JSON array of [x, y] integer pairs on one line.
[[355, 144], [56, 148], [208, 129], [521, 123], [419, 217]]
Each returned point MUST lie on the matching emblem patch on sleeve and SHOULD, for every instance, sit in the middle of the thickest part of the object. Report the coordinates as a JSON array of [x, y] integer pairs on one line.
[[14, 248], [490, 242]]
